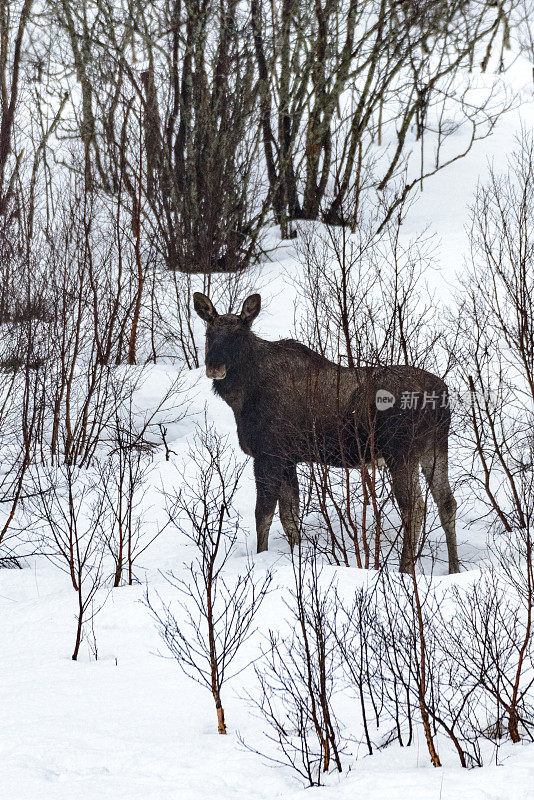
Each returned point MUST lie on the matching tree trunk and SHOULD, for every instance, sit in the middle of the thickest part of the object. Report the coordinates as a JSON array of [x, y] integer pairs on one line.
[[221, 725]]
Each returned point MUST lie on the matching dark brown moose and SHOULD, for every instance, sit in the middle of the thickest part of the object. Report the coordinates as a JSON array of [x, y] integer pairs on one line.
[[292, 405]]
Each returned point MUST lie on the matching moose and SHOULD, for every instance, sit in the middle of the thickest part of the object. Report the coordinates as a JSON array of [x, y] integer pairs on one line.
[[292, 405]]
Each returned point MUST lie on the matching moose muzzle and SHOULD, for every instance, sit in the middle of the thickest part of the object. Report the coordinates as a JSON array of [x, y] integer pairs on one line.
[[216, 373]]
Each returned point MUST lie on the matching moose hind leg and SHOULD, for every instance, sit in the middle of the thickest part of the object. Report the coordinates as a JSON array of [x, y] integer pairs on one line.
[[267, 491], [435, 466], [288, 505], [407, 491]]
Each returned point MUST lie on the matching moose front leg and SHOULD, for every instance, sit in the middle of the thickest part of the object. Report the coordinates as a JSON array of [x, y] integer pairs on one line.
[[268, 480]]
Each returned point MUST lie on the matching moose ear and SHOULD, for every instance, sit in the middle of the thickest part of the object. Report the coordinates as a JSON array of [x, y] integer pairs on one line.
[[204, 307], [251, 308]]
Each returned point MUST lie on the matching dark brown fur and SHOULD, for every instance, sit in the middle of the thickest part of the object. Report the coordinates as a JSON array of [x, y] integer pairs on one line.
[[292, 405]]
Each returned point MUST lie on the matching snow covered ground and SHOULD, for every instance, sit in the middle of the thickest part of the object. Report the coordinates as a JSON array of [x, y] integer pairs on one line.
[[129, 725]]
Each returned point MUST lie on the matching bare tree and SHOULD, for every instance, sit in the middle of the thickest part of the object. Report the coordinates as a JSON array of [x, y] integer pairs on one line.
[[216, 611], [297, 678], [14, 21], [125, 473], [337, 80], [489, 641], [168, 115], [68, 509]]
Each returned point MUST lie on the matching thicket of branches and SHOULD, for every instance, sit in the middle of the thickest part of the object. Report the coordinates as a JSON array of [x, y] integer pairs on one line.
[[205, 121]]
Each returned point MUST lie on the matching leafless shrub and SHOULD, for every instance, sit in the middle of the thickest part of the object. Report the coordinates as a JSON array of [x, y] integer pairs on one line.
[[124, 476], [365, 294], [215, 611], [21, 421], [496, 353], [297, 679], [489, 643], [356, 633], [455, 661], [68, 511], [390, 647], [22, 411], [496, 361]]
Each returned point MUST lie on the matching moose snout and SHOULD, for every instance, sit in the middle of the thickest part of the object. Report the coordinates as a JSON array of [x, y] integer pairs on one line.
[[216, 373]]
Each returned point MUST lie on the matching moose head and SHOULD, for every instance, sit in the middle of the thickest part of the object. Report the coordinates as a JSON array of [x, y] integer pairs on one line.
[[226, 334]]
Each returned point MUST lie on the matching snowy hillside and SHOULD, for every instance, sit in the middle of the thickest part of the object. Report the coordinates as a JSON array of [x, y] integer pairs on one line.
[[124, 721]]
